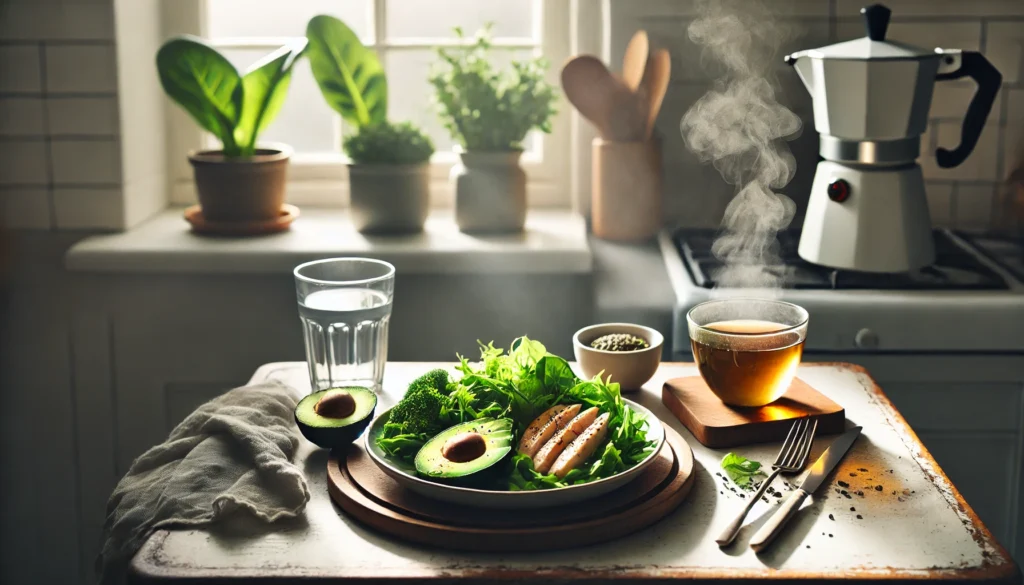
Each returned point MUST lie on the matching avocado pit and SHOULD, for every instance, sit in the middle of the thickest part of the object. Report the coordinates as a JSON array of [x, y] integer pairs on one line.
[[464, 447], [336, 405]]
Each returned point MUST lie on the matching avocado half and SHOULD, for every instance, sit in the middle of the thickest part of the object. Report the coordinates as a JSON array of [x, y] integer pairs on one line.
[[337, 416], [464, 452]]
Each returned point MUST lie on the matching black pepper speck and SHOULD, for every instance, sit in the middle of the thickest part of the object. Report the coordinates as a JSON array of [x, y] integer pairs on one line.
[[859, 517]]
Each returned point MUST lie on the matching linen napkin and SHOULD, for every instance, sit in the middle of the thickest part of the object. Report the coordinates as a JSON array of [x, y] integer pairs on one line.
[[232, 454]]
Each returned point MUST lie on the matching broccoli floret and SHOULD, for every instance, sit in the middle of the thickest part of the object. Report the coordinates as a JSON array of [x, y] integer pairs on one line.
[[420, 410], [436, 379]]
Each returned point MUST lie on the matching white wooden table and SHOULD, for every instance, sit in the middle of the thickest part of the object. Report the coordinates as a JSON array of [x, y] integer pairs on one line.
[[916, 527]]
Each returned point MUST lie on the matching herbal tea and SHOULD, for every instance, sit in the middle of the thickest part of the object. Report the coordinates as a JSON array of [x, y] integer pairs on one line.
[[746, 366]]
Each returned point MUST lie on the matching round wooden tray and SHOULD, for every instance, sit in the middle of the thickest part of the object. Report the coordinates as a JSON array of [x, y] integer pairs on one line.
[[358, 486]]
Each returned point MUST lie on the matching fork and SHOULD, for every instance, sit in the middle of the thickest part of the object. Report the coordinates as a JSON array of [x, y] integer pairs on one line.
[[791, 459]]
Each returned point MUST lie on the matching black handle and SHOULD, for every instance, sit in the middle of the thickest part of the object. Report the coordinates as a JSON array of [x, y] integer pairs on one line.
[[988, 78], [876, 20]]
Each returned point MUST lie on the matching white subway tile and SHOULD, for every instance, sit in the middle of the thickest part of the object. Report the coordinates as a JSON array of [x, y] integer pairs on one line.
[[665, 9], [940, 203], [21, 117], [83, 116], [86, 161], [1014, 105], [20, 67], [25, 208], [914, 8], [43, 20], [980, 165], [950, 101], [949, 35], [974, 206], [76, 68], [23, 162], [88, 208], [1013, 148], [1005, 48]]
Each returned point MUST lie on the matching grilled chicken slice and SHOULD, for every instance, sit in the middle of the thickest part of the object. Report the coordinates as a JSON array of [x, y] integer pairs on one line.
[[582, 447], [544, 426], [545, 458]]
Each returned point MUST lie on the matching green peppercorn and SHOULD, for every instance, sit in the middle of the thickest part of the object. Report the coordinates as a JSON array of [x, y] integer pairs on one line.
[[619, 342]]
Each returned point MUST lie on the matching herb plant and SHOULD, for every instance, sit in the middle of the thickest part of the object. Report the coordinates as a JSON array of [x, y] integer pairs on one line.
[[387, 143], [488, 110], [233, 107]]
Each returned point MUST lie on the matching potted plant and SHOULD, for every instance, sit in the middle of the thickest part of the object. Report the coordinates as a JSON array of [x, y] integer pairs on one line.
[[240, 182], [489, 113], [389, 173]]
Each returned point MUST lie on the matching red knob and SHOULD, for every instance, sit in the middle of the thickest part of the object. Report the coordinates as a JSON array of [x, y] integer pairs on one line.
[[838, 190]]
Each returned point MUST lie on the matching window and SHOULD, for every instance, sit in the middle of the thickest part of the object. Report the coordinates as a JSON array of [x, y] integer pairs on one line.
[[404, 33]]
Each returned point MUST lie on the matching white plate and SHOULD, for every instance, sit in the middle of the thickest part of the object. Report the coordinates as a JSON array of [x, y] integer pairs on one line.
[[405, 475]]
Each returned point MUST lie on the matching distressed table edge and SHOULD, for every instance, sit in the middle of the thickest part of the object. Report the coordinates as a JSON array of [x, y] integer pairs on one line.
[[149, 565]]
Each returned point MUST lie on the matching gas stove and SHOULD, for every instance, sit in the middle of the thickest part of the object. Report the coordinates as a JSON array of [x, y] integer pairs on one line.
[[970, 300]]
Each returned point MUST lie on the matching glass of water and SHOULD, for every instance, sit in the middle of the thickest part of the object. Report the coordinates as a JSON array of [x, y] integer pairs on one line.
[[345, 307]]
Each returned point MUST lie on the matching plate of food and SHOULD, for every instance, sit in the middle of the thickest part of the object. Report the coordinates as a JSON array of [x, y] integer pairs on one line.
[[517, 429]]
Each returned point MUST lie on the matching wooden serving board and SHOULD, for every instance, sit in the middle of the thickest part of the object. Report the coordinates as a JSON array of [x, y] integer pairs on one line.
[[364, 492], [718, 425]]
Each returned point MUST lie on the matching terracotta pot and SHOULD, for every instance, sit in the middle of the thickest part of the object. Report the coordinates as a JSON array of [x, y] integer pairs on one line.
[[490, 192], [626, 190], [389, 198], [241, 188]]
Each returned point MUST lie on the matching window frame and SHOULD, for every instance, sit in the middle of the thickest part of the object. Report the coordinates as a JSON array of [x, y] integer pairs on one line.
[[321, 180]]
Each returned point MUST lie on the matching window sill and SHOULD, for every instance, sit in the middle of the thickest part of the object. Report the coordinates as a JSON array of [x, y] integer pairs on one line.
[[554, 242]]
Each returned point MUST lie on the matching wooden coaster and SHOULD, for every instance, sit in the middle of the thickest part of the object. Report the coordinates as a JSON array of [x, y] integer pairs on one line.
[[200, 225], [717, 425], [364, 492]]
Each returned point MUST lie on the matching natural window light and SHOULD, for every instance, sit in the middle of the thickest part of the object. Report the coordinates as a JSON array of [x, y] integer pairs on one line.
[[405, 34]]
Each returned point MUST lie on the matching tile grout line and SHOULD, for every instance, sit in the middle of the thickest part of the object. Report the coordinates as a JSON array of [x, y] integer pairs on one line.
[[47, 145]]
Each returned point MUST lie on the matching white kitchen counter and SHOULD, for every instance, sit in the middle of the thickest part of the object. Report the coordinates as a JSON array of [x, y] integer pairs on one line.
[[554, 242]]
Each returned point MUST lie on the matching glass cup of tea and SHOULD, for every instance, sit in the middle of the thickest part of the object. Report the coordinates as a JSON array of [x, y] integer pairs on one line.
[[345, 308], [747, 350]]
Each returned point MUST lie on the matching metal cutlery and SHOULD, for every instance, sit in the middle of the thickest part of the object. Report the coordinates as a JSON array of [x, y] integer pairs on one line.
[[817, 474], [791, 459]]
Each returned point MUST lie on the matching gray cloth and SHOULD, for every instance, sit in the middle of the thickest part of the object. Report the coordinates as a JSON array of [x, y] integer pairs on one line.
[[232, 454]]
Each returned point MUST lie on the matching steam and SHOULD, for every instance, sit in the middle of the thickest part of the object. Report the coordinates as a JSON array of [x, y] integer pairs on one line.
[[738, 126]]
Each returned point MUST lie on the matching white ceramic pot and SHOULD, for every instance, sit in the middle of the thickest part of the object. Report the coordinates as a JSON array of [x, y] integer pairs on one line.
[[389, 199], [490, 192]]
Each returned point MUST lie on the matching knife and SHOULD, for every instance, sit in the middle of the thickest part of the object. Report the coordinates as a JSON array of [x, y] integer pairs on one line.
[[817, 474]]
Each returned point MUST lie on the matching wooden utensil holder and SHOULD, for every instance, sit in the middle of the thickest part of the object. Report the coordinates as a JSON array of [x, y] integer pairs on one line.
[[626, 189]]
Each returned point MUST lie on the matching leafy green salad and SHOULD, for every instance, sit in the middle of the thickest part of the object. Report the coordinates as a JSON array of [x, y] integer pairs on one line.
[[505, 400]]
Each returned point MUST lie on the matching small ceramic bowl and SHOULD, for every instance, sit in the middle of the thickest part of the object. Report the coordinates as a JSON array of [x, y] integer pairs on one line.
[[631, 369]]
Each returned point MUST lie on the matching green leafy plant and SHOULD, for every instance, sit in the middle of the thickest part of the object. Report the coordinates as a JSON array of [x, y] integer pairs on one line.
[[349, 74], [233, 107], [741, 470], [386, 143], [489, 110]]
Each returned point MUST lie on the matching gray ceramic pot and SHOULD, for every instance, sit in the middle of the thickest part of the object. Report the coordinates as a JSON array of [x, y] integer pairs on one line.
[[389, 199], [240, 189], [490, 192]]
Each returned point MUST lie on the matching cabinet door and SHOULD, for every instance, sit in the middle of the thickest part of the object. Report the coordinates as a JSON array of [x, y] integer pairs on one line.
[[972, 430]]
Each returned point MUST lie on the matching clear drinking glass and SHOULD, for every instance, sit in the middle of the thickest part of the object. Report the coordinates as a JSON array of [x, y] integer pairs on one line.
[[747, 350], [345, 307]]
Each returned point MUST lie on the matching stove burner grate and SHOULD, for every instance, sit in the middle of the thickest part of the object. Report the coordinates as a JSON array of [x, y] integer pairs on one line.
[[955, 268]]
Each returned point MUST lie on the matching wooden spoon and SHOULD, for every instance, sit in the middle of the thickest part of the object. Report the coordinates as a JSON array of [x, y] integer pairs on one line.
[[591, 89], [655, 84], [634, 61]]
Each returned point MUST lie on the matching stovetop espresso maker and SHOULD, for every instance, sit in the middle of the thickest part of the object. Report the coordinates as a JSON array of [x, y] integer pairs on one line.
[[871, 97]]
